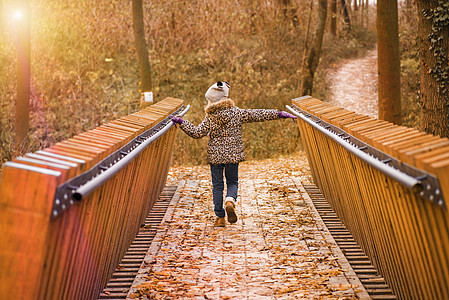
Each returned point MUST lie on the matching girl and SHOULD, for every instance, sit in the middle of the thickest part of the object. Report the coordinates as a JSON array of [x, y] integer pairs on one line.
[[223, 124]]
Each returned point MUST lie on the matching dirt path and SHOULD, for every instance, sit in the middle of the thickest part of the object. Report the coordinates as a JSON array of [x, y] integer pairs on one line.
[[353, 85]]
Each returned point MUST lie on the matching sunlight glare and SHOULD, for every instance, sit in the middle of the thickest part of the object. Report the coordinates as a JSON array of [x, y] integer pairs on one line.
[[18, 15]]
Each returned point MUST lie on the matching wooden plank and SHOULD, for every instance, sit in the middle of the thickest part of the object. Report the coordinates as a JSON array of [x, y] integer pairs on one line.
[[354, 127], [350, 119], [24, 227], [384, 133], [384, 217], [328, 117], [419, 152], [89, 161], [362, 132], [82, 245], [98, 142], [82, 164], [399, 147]]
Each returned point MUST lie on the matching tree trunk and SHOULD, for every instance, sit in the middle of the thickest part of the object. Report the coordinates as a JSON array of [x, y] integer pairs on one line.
[[141, 46], [306, 43], [355, 15], [362, 8], [362, 14], [333, 7], [346, 14], [23, 48], [367, 13], [388, 61], [313, 58], [433, 34]]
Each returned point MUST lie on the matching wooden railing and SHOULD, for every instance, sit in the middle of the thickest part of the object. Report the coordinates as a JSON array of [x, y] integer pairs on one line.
[[396, 211], [54, 247]]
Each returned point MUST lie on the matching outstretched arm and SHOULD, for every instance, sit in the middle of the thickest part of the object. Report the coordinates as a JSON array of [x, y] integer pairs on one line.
[[258, 115], [193, 131]]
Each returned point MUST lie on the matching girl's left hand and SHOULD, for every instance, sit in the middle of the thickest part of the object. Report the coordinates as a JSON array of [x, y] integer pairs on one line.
[[284, 115], [176, 120]]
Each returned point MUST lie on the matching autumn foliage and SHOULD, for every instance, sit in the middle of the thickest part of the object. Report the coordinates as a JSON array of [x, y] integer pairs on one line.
[[84, 68]]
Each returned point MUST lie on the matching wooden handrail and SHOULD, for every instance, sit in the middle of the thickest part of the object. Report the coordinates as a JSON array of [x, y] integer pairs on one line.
[[74, 255], [405, 235]]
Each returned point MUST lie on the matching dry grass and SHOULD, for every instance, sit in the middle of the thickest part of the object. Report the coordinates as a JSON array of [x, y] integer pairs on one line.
[[85, 72]]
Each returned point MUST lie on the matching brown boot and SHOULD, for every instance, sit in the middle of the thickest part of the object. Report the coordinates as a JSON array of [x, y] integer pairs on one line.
[[230, 210], [220, 222]]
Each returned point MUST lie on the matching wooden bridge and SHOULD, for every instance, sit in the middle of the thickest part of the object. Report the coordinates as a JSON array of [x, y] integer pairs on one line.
[[77, 214]]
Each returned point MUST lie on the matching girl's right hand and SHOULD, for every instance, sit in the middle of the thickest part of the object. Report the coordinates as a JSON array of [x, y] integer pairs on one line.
[[284, 115]]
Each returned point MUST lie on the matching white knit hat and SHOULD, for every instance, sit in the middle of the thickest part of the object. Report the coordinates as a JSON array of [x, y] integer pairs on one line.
[[218, 91]]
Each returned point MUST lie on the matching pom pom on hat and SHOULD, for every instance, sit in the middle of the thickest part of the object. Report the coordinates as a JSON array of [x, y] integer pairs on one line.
[[218, 91]]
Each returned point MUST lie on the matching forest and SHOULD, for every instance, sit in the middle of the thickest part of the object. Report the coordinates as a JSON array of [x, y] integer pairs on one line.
[[84, 63]]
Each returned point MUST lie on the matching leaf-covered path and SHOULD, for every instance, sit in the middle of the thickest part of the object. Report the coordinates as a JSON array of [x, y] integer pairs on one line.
[[278, 249], [353, 85]]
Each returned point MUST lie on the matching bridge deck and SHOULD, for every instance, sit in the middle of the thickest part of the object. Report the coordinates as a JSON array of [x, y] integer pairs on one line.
[[279, 248]]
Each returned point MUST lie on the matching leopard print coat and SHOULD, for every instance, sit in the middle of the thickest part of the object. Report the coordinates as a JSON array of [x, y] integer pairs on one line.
[[223, 124]]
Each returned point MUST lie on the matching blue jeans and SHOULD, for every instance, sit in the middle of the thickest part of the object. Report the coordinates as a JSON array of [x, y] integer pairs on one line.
[[231, 172]]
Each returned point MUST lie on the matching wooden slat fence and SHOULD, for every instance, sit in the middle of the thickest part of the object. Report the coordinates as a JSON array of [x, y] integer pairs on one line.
[[405, 236], [73, 255]]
